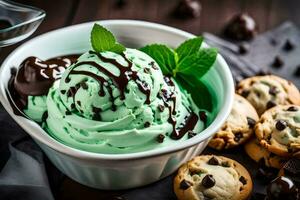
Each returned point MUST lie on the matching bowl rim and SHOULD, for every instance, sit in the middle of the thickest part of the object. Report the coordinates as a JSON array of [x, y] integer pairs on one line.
[[73, 152]]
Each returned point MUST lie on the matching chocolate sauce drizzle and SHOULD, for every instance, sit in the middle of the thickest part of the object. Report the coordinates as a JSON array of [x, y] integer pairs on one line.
[[121, 81], [190, 121]]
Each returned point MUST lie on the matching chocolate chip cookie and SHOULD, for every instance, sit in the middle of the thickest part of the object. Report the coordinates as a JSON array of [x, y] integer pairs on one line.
[[238, 126], [212, 177], [260, 154], [278, 130], [265, 92]]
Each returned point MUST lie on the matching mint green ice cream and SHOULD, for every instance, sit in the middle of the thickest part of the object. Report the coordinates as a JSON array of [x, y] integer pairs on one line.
[[112, 103]]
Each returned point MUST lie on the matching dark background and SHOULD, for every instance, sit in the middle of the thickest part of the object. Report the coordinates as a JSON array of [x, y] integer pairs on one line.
[[214, 15]]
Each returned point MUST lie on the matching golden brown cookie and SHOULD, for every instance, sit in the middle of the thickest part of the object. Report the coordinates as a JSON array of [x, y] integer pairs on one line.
[[238, 126], [278, 130], [258, 153], [212, 177], [264, 92]]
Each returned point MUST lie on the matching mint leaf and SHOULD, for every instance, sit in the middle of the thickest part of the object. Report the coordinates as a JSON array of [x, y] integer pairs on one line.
[[189, 47], [165, 57], [103, 40], [197, 64]]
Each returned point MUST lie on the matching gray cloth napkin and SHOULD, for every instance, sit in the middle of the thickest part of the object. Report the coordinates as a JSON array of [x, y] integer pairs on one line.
[[25, 173]]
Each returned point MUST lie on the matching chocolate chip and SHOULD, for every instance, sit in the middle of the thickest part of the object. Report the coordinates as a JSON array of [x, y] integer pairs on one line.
[[96, 110], [160, 138], [243, 48], [288, 45], [297, 71], [245, 93], [68, 112], [67, 80], [72, 105], [238, 136], [188, 9], [208, 181], [251, 122], [213, 161], [243, 180], [278, 62], [292, 108], [191, 134], [63, 91], [280, 125], [78, 102], [84, 85], [146, 124], [273, 90], [203, 116], [225, 164], [152, 64], [270, 104], [184, 184]]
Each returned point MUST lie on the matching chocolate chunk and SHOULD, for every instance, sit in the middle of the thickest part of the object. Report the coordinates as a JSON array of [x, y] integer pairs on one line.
[[146, 124], [243, 48], [292, 108], [160, 138], [245, 93], [243, 180], [152, 64], [225, 164], [72, 105], [68, 112], [63, 91], [67, 80], [78, 102], [191, 134], [213, 161], [238, 136], [161, 108], [203, 116], [184, 184], [187, 9], [297, 71], [278, 62], [84, 85], [251, 122], [208, 181], [270, 104], [288, 45], [280, 125], [13, 71], [282, 188], [241, 27], [273, 90]]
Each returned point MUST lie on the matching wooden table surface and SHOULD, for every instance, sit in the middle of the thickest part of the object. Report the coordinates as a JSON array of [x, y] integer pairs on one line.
[[214, 14]]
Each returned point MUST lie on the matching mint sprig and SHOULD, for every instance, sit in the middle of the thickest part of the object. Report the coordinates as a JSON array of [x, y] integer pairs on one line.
[[187, 60], [103, 40]]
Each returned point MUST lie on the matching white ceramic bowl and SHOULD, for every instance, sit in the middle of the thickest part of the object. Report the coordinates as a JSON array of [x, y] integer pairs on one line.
[[118, 171]]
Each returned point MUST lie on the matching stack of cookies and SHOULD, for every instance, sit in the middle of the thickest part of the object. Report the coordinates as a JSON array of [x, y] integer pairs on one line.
[[265, 118]]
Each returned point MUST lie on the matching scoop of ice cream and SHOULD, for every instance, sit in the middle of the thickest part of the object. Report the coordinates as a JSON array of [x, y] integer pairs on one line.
[[112, 103]]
